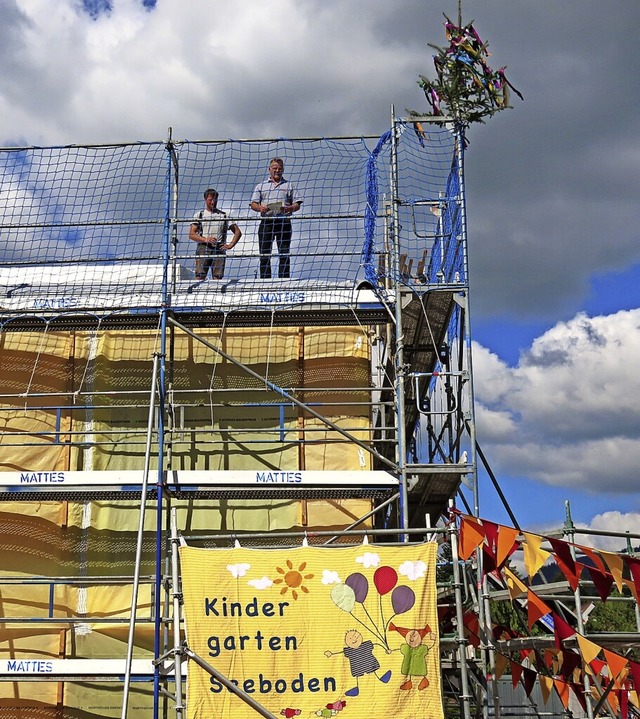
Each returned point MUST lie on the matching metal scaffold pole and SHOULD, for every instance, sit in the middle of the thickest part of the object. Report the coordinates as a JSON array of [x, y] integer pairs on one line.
[[140, 537], [399, 366], [461, 641], [177, 614]]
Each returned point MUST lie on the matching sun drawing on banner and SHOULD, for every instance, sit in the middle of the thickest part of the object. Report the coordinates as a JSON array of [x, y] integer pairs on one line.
[[293, 579]]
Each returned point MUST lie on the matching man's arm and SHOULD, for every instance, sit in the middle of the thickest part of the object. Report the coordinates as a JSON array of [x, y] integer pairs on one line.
[[194, 234], [257, 207], [290, 209], [237, 234]]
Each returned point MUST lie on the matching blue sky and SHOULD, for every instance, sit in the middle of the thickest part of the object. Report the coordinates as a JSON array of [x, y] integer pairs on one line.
[[552, 185]]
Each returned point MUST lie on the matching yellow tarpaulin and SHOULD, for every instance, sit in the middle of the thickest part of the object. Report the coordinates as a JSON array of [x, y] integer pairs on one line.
[[313, 631]]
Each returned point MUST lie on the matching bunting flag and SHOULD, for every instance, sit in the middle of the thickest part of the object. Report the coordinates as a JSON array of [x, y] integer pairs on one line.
[[612, 698], [570, 662], [561, 629], [578, 692], [550, 657], [488, 561], [491, 535], [593, 556], [602, 581], [536, 608], [516, 673], [546, 685], [624, 704], [515, 585], [631, 586], [472, 625], [604, 568], [634, 668], [501, 664], [507, 544], [616, 663], [616, 567], [565, 561], [562, 688], [534, 556], [529, 677], [588, 649], [471, 536], [634, 568]]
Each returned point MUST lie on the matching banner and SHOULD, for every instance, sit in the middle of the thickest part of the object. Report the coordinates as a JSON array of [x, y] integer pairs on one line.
[[314, 631]]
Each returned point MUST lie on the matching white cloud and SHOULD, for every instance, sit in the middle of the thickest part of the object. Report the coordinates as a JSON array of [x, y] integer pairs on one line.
[[610, 522], [330, 577], [368, 559], [568, 413], [263, 583], [413, 570], [238, 570]]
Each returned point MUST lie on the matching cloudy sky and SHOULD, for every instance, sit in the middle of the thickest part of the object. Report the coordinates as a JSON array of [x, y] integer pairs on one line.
[[552, 185]]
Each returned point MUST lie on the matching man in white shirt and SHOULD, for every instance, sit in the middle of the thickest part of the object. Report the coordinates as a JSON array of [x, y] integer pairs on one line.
[[209, 229]]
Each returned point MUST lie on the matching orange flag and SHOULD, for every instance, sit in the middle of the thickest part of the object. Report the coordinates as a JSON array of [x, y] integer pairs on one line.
[[588, 649], [632, 588], [471, 536], [534, 556], [507, 543], [549, 656], [563, 691], [536, 608], [616, 566], [593, 556], [616, 663], [502, 662]]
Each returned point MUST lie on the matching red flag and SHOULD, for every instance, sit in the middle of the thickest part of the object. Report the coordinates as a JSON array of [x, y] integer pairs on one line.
[[634, 569], [491, 533], [570, 661], [516, 673], [528, 679], [565, 561], [635, 673], [602, 581], [561, 629]]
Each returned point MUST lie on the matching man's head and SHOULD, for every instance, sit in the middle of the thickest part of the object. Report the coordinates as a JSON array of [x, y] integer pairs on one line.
[[210, 198], [276, 169]]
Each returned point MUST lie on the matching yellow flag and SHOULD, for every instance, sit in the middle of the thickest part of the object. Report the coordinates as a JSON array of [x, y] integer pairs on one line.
[[534, 556], [588, 649], [546, 685], [313, 631], [515, 585]]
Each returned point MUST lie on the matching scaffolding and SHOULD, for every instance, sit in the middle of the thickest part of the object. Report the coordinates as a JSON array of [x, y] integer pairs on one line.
[[140, 405]]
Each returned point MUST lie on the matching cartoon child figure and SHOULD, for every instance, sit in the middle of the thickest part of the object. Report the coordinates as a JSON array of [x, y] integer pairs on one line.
[[415, 652], [361, 659]]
